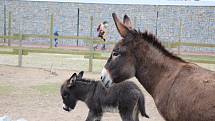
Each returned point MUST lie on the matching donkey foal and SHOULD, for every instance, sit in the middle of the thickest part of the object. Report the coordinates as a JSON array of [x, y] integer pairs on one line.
[[126, 97]]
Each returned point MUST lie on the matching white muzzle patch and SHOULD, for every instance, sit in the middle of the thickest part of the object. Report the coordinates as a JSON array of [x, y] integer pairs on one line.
[[66, 108], [106, 78]]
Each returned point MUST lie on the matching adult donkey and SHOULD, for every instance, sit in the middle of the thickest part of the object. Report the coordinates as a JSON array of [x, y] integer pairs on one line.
[[182, 91]]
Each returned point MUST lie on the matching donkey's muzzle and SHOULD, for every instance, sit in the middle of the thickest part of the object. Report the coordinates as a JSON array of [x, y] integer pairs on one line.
[[66, 108], [105, 78]]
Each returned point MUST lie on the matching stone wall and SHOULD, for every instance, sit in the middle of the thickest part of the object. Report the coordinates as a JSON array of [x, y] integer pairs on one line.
[[197, 23]]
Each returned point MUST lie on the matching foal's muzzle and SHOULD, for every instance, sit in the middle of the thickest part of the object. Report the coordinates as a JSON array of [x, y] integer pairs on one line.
[[67, 108], [106, 78]]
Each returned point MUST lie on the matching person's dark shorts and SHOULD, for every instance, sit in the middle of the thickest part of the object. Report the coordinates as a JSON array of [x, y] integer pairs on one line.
[[101, 34]]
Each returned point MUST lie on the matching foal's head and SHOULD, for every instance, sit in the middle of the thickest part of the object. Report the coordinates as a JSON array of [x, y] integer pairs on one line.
[[73, 90]]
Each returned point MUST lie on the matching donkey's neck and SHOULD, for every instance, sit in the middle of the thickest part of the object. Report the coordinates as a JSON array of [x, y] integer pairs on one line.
[[154, 67], [87, 91]]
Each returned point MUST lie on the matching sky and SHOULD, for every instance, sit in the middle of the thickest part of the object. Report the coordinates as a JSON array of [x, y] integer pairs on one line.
[[147, 2], [115, 0]]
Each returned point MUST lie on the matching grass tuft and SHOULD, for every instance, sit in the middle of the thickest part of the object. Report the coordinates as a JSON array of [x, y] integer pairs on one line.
[[5, 89], [47, 89]]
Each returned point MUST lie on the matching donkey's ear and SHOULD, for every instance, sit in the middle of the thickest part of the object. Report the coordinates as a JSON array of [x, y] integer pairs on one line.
[[80, 75], [72, 80], [127, 22], [123, 30]]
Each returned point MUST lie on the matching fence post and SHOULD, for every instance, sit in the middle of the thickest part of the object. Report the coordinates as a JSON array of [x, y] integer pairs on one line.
[[20, 50], [5, 28], [91, 46], [78, 26], [179, 38], [135, 22], [51, 31], [156, 29], [9, 28]]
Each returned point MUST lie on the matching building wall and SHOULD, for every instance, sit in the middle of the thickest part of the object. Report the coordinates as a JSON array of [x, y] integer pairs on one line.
[[197, 23]]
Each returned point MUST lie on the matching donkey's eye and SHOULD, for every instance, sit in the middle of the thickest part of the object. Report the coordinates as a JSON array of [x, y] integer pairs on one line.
[[115, 53], [65, 95]]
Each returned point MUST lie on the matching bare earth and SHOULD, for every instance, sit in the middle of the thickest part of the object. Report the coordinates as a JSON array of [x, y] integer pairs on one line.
[[21, 96]]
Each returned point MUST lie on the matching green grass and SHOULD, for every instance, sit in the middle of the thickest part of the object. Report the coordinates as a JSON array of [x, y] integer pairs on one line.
[[200, 59], [6, 52], [48, 88], [5, 89], [75, 61], [26, 50]]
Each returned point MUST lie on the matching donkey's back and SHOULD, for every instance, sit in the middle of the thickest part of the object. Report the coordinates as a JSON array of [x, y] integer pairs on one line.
[[125, 98], [192, 96]]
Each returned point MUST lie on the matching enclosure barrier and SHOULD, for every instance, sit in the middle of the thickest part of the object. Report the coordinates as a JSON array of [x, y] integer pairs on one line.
[[90, 54], [25, 50]]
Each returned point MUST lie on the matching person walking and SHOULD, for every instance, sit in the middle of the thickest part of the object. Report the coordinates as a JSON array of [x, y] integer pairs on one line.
[[56, 34], [102, 30]]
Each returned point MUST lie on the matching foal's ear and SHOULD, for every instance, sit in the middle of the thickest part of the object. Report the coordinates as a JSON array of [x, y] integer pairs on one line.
[[80, 75], [72, 80], [127, 22], [122, 29]]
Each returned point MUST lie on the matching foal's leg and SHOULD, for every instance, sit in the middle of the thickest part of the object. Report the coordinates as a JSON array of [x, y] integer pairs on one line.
[[90, 116], [93, 116], [136, 113], [126, 116], [99, 118], [137, 116]]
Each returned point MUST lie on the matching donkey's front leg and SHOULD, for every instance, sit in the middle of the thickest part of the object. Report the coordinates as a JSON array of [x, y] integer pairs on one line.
[[99, 118], [92, 116], [127, 117]]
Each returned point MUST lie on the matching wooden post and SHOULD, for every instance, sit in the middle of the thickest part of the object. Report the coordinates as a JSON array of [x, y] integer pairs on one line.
[[135, 22], [179, 38], [156, 29], [5, 28], [91, 46], [9, 28], [78, 26], [51, 31], [20, 51]]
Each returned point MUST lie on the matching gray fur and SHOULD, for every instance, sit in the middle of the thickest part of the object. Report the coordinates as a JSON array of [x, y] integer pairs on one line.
[[124, 97]]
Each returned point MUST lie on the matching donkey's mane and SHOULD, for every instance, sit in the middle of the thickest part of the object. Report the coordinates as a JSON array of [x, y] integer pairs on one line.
[[85, 81], [151, 39]]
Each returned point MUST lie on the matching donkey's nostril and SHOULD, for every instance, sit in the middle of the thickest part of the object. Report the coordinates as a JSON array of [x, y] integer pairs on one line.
[[107, 84], [103, 78]]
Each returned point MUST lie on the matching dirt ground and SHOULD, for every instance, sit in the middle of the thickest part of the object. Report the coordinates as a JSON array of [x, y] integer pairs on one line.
[[33, 94]]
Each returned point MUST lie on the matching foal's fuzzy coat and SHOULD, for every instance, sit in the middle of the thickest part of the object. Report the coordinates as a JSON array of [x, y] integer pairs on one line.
[[126, 97]]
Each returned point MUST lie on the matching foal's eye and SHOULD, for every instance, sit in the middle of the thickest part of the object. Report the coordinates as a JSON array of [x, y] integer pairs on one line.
[[65, 95], [115, 53]]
